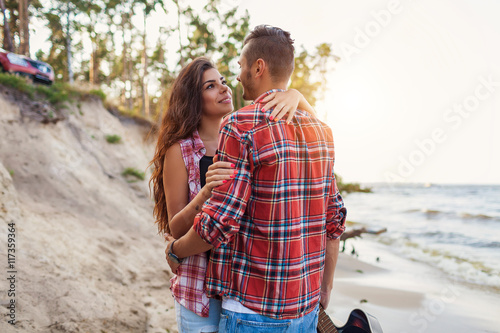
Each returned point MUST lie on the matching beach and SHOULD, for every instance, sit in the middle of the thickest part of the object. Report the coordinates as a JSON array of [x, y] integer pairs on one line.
[[435, 269], [407, 296]]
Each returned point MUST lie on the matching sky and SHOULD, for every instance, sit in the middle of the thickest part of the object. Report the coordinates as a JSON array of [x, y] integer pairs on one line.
[[416, 94]]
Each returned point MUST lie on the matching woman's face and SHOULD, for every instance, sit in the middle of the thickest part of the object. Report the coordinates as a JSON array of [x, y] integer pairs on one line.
[[216, 95]]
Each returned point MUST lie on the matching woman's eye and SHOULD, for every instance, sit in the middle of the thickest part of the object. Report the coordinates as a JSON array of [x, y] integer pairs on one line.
[[210, 86], [224, 82]]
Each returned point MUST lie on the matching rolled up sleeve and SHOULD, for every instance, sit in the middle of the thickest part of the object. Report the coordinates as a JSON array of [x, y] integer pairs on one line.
[[336, 214], [218, 221]]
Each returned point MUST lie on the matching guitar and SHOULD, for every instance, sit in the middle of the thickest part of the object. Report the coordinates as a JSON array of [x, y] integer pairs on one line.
[[358, 322]]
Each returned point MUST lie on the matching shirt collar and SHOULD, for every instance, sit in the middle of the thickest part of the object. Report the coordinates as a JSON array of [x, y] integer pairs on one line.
[[198, 145], [267, 93]]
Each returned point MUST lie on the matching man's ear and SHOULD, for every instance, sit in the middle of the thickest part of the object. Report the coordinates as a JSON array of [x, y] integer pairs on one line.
[[260, 67]]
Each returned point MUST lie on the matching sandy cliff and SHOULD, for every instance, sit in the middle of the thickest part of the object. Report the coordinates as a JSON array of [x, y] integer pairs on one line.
[[87, 255]]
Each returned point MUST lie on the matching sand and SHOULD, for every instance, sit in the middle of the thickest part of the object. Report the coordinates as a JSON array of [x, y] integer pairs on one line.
[[407, 296], [88, 257]]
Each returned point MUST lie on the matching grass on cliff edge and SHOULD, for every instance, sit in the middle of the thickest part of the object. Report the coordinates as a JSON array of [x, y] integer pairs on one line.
[[57, 94], [134, 172]]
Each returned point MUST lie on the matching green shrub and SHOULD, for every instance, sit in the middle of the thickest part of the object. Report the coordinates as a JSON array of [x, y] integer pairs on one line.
[[134, 172], [56, 94], [17, 82], [113, 138], [350, 187], [99, 93]]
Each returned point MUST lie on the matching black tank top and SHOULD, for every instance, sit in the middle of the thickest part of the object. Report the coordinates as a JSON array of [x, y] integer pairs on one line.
[[205, 162]]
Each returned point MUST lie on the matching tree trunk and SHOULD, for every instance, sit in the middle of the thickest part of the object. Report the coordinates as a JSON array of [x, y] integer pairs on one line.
[[144, 61], [124, 62], [129, 79], [127, 62], [94, 62], [24, 32], [68, 45], [7, 37], [92, 70], [181, 60], [111, 34]]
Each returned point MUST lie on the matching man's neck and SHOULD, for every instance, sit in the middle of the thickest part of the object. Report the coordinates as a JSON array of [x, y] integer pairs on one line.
[[265, 88]]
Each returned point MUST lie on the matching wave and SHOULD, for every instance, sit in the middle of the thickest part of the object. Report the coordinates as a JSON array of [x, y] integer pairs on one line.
[[425, 211], [468, 216], [493, 245], [468, 269], [432, 213], [444, 237]]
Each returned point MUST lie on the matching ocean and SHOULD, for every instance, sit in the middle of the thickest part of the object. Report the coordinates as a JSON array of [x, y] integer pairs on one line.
[[454, 228]]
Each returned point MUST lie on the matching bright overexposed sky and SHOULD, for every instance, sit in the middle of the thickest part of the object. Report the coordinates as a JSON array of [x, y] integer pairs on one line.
[[416, 95]]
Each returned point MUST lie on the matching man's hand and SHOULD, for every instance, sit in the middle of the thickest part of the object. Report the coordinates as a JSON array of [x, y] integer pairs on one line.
[[332, 253], [173, 265], [324, 298]]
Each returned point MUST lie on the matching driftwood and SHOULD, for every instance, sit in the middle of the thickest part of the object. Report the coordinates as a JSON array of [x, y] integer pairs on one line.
[[357, 233]]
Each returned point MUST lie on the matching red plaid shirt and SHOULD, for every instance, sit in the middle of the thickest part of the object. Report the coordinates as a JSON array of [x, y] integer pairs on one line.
[[269, 225]]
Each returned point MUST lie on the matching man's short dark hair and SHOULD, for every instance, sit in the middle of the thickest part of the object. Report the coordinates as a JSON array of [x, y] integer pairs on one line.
[[275, 47]]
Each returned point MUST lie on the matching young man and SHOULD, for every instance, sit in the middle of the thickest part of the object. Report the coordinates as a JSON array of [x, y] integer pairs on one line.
[[273, 230]]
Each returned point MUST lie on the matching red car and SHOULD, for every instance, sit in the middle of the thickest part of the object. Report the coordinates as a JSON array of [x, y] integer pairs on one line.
[[38, 71]]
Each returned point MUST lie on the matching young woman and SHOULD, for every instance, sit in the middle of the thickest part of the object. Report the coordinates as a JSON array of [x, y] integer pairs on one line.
[[185, 174]]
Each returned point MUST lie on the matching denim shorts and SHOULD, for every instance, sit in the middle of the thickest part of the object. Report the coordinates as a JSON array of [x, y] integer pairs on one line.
[[190, 322], [232, 322]]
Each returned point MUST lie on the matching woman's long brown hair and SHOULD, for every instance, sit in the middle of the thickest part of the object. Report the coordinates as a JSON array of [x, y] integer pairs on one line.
[[181, 119]]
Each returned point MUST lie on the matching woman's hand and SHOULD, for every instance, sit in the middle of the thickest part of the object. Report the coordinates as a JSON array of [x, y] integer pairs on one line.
[[218, 173], [284, 103], [173, 265]]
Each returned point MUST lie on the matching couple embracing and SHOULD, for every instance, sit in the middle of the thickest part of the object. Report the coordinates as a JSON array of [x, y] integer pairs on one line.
[[248, 200]]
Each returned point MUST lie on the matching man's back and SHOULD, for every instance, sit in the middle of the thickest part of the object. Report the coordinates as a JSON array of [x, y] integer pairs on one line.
[[269, 223]]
